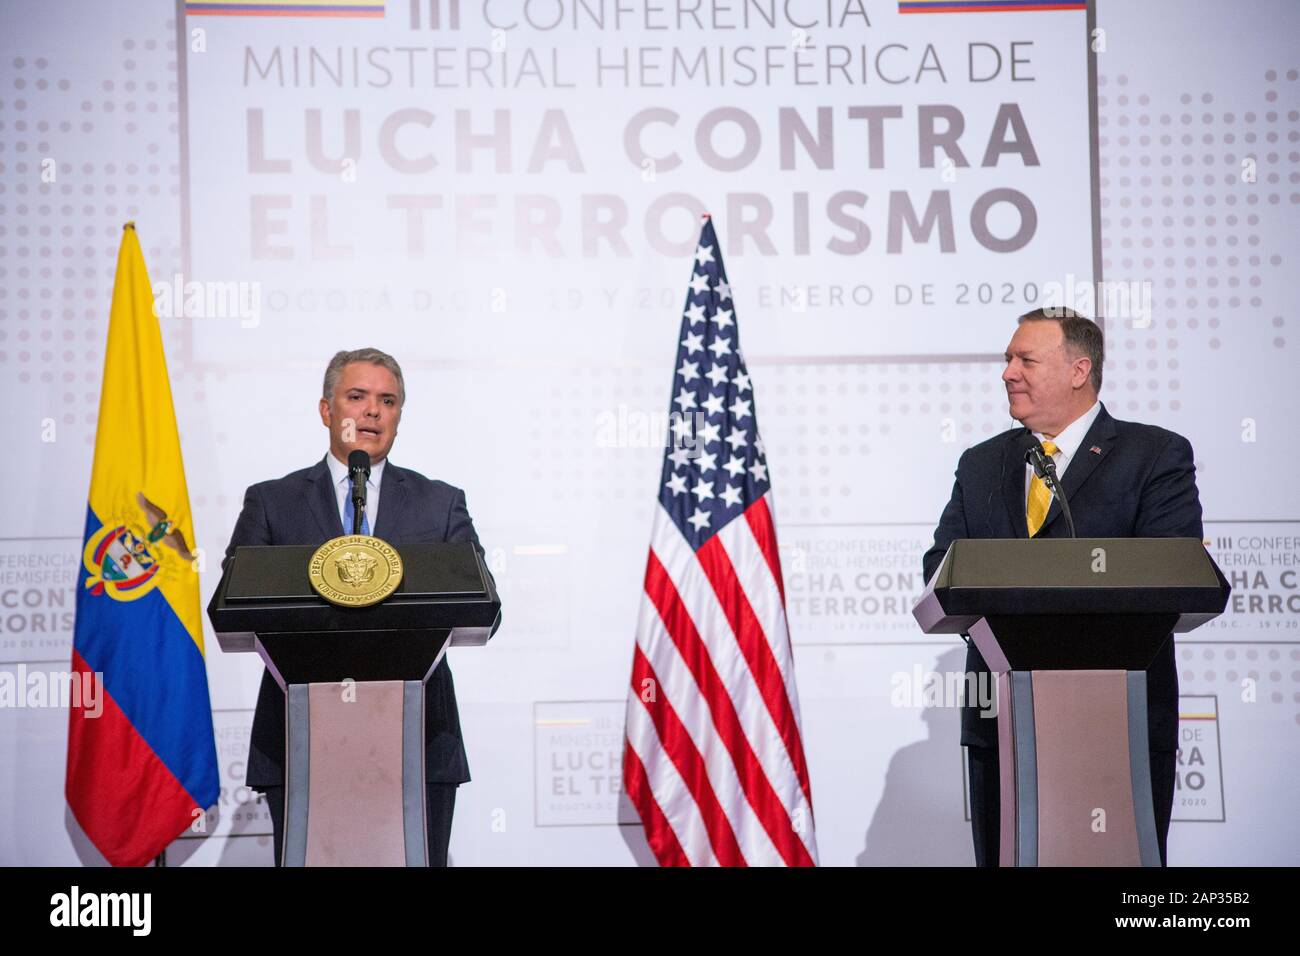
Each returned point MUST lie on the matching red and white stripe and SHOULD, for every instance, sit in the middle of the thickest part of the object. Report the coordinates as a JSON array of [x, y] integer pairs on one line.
[[714, 760]]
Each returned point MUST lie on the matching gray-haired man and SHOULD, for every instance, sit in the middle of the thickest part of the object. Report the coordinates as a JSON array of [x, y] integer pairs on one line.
[[1122, 479], [361, 405]]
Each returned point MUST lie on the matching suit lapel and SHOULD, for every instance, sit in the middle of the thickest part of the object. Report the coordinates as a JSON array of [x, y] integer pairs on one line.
[[323, 501], [1013, 484], [392, 502], [1100, 436]]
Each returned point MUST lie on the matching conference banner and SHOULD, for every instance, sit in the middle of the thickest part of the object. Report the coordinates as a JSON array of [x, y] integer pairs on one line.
[[478, 176]]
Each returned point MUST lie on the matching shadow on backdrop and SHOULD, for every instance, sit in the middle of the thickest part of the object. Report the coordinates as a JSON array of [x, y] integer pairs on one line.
[[921, 817]]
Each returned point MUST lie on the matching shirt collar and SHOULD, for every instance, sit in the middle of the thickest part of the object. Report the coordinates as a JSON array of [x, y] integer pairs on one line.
[[1068, 442], [339, 470]]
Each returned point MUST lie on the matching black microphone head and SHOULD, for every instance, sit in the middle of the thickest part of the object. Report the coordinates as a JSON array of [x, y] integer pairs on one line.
[[1028, 443], [1037, 457], [359, 461]]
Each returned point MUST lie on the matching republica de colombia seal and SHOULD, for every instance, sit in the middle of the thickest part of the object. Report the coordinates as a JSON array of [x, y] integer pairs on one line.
[[355, 570]]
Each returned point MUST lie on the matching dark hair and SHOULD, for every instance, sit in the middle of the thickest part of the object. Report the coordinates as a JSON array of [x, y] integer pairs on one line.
[[374, 357], [1082, 335]]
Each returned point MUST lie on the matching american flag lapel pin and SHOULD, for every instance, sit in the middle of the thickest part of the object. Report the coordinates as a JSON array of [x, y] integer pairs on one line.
[[1095, 449]]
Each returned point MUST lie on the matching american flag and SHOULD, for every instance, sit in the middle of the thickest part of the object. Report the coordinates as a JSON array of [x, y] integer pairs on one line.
[[713, 759]]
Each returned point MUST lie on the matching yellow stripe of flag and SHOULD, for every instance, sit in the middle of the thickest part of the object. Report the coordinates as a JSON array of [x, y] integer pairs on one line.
[[137, 447]]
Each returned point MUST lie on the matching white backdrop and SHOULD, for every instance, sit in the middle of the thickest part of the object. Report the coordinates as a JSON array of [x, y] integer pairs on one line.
[[507, 203]]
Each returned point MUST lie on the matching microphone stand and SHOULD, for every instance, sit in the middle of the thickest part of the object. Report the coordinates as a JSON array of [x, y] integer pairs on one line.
[[1045, 469], [358, 508], [359, 473]]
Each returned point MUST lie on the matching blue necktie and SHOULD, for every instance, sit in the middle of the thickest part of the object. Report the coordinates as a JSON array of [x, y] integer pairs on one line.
[[347, 516]]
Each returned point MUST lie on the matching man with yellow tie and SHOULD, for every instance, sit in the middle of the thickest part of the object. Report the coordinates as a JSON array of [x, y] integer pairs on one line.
[[1121, 479]]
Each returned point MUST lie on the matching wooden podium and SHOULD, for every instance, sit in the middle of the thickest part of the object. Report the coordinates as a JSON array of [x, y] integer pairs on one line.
[[1069, 627], [354, 681]]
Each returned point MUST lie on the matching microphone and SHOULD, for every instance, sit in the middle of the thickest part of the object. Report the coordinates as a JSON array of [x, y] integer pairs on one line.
[[359, 473], [1045, 468]]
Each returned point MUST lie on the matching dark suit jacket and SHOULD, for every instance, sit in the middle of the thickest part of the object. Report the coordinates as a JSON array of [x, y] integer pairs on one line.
[[1141, 485], [301, 508]]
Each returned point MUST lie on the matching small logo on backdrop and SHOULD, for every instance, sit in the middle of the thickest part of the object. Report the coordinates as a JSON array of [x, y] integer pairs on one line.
[[987, 6], [578, 764], [122, 559], [280, 8], [74, 908], [1198, 783]]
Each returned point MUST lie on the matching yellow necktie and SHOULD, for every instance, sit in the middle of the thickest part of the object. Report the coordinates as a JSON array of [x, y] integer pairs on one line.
[[1040, 498]]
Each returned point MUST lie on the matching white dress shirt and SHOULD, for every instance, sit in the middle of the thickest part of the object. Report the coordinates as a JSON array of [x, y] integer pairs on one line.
[[1067, 445], [343, 490]]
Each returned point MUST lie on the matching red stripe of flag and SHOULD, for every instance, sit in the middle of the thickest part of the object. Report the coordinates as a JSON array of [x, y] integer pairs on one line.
[[104, 752], [659, 833], [758, 789], [760, 522], [754, 646], [681, 749]]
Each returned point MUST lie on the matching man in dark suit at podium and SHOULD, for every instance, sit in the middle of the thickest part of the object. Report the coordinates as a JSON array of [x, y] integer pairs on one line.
[[361, 405], [1122, 479]]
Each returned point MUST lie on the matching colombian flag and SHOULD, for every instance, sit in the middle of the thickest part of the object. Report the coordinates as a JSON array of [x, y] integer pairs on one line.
[[144, 767]]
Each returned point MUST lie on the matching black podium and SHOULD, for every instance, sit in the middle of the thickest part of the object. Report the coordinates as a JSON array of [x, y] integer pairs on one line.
[[1069, 627], [354, 683]]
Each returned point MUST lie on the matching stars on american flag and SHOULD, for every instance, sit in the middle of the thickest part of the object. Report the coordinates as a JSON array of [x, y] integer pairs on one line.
[[716, 467]]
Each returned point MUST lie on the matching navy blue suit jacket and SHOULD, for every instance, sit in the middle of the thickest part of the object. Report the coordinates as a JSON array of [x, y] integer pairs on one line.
[[301, 508], [1140, 483]]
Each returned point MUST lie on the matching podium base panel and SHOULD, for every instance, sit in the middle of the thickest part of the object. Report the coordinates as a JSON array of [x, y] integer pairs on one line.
[[355, 792], [1075, 769]]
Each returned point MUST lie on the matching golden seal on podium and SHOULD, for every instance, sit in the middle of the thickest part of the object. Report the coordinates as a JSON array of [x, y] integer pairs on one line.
[[355, 570]]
